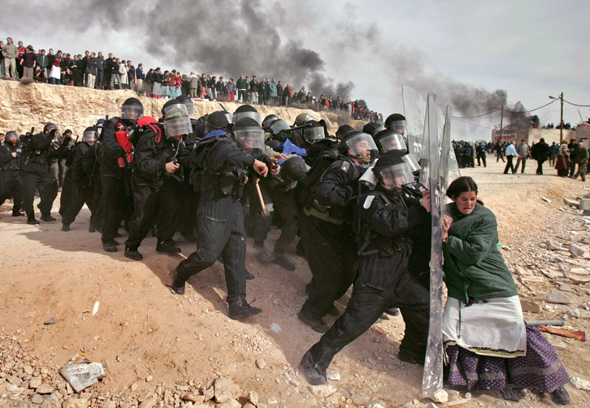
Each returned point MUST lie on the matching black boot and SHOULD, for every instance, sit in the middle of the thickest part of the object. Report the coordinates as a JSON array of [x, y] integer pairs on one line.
[[281, 260], [316, 325], [32, 221], [133, 253], [561, 397], [47, 218], [18, 214], [176, 287], [109, 246], [312, 373], [65, 227], [167, 247], [239, 308]]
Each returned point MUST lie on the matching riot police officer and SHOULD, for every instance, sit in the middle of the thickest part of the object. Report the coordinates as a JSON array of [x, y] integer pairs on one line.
[[117, 202], [37, 174], [220, 171], [382, 279], [11, 182]]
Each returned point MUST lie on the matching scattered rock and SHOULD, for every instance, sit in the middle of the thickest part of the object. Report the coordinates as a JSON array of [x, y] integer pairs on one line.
[[194, 398], [546, 199], [14, 380], [580, 383], [108, 404], [225, 389], [553, 245], [372, 361], [260, 363], [232, 403], [558, 345], [322, 391], [335, 376], [571, 203], [75, 403], [37, 399], [148, 403], [530, 306], [573, 313], [440, 397], [253, 397], [249, 405], [556, 296], [45, 389], [376, 405], [209, 393], [49, 321], [577, 250], [35, 382], [566, 288], [51, 401], [133, 387]]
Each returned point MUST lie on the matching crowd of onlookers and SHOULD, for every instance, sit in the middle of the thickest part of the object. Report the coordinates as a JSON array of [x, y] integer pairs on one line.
[[93, 70]]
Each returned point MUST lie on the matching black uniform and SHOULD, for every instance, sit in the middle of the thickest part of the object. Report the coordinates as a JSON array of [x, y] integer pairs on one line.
[[382, 280], [220, 173], [91, 172], [328, 240], [37, 173], [117, 201], [82, 191], [11, 182], [154, 189]]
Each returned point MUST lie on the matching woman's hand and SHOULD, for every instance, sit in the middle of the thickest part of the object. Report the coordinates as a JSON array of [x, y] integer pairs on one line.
[[446, 226]]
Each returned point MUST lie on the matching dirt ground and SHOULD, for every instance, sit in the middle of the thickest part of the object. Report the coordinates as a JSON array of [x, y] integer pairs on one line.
[[150, 339]]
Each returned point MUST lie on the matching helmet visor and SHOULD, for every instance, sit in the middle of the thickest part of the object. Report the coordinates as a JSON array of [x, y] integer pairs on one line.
[[190, 107], [395, 175], [279, 125], [90, 136], [11, 137], [399, 126], [411, 161], [362, 145], [241, 115], [177, 126], [250, 137], [131, 112], [392, 142], [314, 133]]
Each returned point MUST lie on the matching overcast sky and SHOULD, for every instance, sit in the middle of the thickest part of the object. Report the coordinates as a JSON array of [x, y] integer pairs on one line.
[[529, 49]]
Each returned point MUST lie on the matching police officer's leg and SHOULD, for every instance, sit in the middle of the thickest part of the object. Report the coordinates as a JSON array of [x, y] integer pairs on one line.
[[413, 299], [287, 206], [48, 192], [96, 209], [214, 232], [365, 306], [169, 217], [483, 158], [30, 186], [17, 194], [68, 192], [145, 202], [188, 203], [110, 204], [234, 255], [70, 209]]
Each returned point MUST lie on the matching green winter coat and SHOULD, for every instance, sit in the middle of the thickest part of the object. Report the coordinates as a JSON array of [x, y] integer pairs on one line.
[[474, 268]]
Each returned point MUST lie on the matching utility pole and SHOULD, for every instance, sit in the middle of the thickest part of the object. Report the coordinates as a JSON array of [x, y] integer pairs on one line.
[[501, 121], [561, 124]]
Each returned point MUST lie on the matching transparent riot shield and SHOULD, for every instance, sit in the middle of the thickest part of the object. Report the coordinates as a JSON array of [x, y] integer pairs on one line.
[[432, 380], [414, 111]]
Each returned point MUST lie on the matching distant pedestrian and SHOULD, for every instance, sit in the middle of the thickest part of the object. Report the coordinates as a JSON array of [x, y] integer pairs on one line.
[[524, 151], [540, 153], [510, 155]]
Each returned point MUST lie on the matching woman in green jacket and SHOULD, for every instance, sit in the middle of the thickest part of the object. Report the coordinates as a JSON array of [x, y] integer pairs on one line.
[[487, 342]]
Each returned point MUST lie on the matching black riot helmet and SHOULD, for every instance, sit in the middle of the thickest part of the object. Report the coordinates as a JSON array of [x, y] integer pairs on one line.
[[304, 117], [90, 135], [132, 109], [342, 130], [373, 128], [269, 120], [11, 137], [315, 132], [248, 134], [247, 111], [387, 140], [359, 146], [277, 126], [216, 121], [177, 121], [51, 129], [392, 170], [397, 123], [188, 102], [293, 169]]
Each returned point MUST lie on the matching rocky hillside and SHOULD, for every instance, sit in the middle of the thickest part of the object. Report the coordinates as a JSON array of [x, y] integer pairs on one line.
[[25, 106]]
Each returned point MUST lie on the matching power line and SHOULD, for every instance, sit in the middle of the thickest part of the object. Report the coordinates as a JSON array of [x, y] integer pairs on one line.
[[575, 104], [506, 110], [478, 116], [473, 124], [532, 110]]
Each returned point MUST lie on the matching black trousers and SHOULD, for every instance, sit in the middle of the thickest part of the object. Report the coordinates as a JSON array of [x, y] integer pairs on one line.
[[509, 165], [331, 254], [153, 204], [540, 166], [285, 204], [99, 79], [78, 198], [221, 232], [483, 158], [117, 204], [380, 284], [188, 202], [518, 161], [67, 191], [11, 185], [47, 186]]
